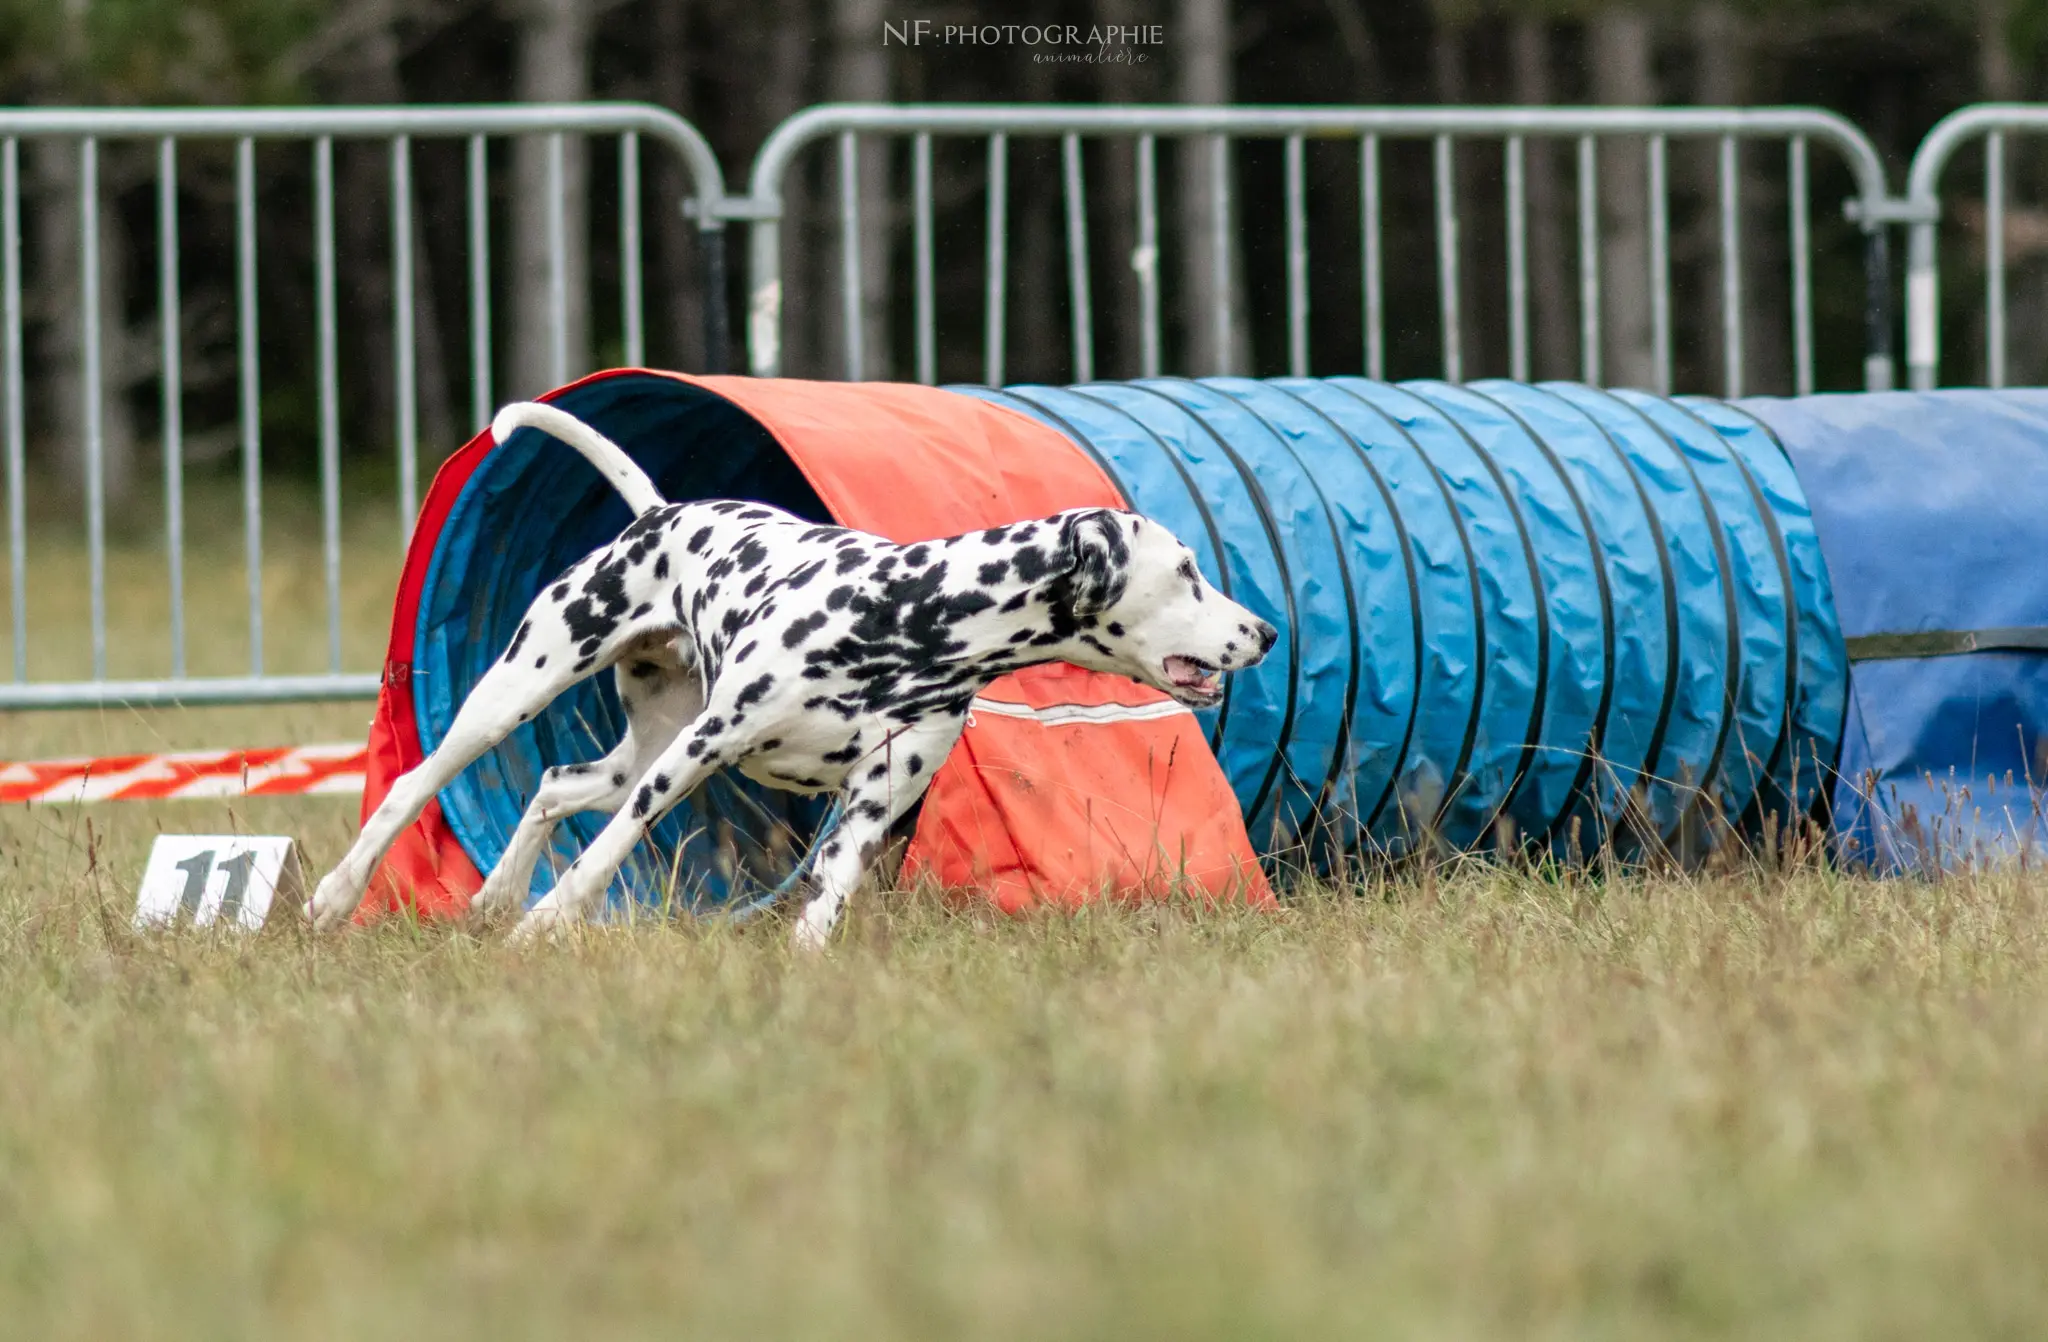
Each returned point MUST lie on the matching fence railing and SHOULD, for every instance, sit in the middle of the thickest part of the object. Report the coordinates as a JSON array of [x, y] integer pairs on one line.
[[398, 127], [1212, 172], [1446, 128], [1921, 212]]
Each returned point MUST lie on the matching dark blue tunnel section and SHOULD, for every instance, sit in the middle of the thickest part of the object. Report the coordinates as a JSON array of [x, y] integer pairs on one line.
[[1531, 614], [532, 508], [1931, 508]]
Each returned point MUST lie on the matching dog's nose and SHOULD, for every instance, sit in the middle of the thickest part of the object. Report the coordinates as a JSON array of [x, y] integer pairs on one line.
[[1265, 633]]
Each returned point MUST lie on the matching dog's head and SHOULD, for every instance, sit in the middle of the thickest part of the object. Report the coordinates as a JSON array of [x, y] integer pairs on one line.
[[1140, 607]]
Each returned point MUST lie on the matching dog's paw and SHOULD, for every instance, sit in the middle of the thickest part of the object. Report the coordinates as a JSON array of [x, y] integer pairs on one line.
[[541, 921], [810, 936], [495, 898], [334, 901]]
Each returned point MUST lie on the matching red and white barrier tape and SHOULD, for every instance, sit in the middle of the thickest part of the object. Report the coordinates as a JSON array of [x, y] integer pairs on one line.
[[280, 771]]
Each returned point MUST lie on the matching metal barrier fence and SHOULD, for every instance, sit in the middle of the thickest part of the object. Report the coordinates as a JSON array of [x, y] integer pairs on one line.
[[243, 127], [1443, 127], [1921, 212]]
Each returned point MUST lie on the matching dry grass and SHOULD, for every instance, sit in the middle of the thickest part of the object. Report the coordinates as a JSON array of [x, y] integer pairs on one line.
[[1477, 1105]]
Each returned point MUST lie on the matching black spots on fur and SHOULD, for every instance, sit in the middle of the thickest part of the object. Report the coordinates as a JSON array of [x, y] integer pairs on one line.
[[582, 665], [1016, 603], [996, 535], [869, 810], [1116, 630], [849, 559], [589, 646], [750, 555], [573, 770], [618, 780], [1031, 563], [661, 784], [817, 673], [816, 534], [885, 566], [1190, 575], [803, 576], [1097, 644], [675, 599], [540, 661], [695, 748], [518, 639], [719, 568], [846, 754], [561, 592], [772, 743], [1024, 532], [831, 849], [712, 725], [724, 506], [916, 556], [643, 801], [993, 572], [1022, 635], [837, 598], [641, 609], [661, 566], [915, 764], [756, 515], [755, 584], [802, 627], [753, 692], [651, 521], [734, 621], [880, 770], [815, 702], [644, 670], [697, 541], [744, 653]]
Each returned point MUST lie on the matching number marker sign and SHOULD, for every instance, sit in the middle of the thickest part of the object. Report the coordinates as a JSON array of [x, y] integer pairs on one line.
[[202, 879]]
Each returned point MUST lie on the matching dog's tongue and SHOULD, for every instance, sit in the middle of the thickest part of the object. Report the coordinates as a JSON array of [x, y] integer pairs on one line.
[[1185, 672]]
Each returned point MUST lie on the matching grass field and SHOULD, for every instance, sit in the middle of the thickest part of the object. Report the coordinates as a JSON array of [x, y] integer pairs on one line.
[[1466, 1103]]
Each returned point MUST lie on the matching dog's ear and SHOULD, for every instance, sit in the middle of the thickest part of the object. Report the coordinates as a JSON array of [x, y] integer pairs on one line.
[[1094, 558]]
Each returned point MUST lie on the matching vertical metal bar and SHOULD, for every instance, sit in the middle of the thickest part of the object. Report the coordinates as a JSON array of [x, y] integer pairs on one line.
[[1994, 259], [711, 263], [1589, 261], [479, 284], [330, 389], [1518, 262], [403, 335], [1731, 270], [921, 245], [1660, 267], [1219, 249], [1802, 269], [998, 276], [10, 369], [1078, 299], [252, 391], [1297, 258], [1369, 244], [849, 251], [1146, 260], [630, 298], [95, 432], [170, 315], [558, 267], [1447, 260]]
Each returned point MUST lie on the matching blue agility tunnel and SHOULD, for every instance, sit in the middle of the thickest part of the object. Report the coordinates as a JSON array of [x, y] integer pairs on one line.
[[1535, 614], [1546, 615]]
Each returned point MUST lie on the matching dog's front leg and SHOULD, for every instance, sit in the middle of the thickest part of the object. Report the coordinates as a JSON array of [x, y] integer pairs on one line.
[[879, 789]]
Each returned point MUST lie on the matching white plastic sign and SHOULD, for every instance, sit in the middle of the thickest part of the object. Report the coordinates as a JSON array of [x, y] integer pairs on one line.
[[202, 879]]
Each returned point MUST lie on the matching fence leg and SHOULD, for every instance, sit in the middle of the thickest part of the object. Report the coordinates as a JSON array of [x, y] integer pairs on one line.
[[717, 334], [1877, 319]]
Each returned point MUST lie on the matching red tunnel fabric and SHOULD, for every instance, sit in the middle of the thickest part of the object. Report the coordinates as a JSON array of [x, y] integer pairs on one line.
[[1067, 784]]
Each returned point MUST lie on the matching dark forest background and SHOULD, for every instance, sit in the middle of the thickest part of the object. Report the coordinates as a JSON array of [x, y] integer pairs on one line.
[[737, 67]]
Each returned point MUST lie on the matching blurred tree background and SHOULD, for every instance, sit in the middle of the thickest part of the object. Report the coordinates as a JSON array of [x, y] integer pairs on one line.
[[737, 67]]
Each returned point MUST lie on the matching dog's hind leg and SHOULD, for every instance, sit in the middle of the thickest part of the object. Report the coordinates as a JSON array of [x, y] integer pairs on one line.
[[660, 697], [505, 696]]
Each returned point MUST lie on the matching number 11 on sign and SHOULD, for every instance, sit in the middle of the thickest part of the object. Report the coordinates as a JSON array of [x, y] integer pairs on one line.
[[203, 879]]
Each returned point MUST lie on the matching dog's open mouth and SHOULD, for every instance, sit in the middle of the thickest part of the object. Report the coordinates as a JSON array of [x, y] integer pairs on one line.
[[1193, 680]]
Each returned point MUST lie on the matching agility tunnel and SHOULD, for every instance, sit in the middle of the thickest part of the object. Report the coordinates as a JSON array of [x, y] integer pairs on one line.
[[1543, 616]]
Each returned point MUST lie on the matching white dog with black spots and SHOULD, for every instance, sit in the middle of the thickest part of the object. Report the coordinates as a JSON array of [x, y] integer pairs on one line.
[[815, 659]]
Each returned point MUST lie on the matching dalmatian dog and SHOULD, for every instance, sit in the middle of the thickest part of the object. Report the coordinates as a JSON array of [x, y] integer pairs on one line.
[[814, 659]]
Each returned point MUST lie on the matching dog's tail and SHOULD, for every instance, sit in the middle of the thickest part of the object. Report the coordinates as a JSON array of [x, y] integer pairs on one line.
[[610, 459]]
